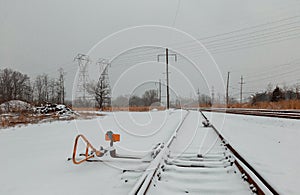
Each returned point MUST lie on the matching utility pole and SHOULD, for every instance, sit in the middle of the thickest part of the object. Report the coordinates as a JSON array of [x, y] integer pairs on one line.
[[212, 95], [198, 97], [159, 90], [241, 91], [167, 72], [227, 87]]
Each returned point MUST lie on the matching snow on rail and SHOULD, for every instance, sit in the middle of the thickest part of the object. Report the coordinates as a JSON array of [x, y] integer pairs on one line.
[[291, 114], [242, 162], [143, 183], [215, 171]]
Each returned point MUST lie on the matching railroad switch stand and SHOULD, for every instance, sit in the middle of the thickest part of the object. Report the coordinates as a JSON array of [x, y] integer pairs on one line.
[[91, 151]]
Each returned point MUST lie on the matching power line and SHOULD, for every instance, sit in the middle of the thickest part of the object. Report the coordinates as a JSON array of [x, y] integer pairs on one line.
[[251, 27], [280, 74], [241, 35], [222, 49], [255, 37], [176, 13]]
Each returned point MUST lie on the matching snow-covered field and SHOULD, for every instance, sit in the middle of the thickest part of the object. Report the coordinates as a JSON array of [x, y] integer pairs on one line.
[[34, 157], [271, 145]]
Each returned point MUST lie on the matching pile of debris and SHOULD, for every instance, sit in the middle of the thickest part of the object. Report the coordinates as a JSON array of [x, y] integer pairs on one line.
[[17, 112], [59, 110]]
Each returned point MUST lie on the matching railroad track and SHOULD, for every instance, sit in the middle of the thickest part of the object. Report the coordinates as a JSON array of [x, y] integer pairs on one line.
[[291, 114], [208, 164]]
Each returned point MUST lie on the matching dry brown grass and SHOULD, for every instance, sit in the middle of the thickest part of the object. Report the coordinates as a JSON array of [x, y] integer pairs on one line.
[[284, 104], [24, 118], [85, 109], [88, 115], [137, 108], [90, 109], [11, 120]]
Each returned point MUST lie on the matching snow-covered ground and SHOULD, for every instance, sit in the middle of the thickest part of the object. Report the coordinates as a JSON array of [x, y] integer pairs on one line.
[[271, 145], [211, 174], [34, 157]]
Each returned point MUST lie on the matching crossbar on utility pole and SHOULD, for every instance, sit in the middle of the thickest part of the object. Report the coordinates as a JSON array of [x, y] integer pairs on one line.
[[167, 72]]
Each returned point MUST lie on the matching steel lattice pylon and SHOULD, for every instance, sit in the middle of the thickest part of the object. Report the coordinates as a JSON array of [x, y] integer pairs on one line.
[[83, 61], [103, 66]]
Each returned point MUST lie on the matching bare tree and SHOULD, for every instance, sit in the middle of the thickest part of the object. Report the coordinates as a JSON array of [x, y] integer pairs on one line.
[[17, 86], [42, 89], [61, 85], [100, 91], [6, 84], [52, 90], [45, 78], [14, 86], [150, 96], [270, 87], [136, 101], [121, 101], [38, 89]]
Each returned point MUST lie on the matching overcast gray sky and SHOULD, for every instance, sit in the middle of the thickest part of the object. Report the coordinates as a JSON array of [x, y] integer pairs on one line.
[[259, 39]]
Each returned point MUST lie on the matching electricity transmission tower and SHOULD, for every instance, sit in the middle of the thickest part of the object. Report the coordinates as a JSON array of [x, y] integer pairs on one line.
[[83, 61], [103, 67]]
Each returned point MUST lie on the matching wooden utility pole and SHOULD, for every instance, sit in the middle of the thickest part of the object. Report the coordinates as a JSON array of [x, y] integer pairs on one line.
[[198, 92], [227, 87], [212, 95], [241, 90], [159, 89], [167, 72]]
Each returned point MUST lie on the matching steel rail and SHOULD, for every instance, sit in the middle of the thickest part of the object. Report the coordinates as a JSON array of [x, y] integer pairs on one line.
[[290, 114], [142, 185], [249, 179]]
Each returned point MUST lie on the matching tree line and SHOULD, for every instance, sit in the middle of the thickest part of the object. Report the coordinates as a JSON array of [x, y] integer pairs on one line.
[[15, 85], [147, 99], [150, 97], [276, 95]]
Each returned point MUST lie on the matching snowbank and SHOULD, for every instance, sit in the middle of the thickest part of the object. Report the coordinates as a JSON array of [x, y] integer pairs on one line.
[[15, 106]]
